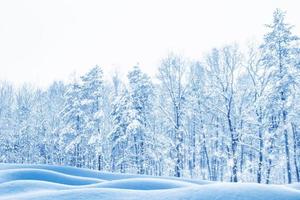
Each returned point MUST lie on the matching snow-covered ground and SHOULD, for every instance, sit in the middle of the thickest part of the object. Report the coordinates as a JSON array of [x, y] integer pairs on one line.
[[44, 182]]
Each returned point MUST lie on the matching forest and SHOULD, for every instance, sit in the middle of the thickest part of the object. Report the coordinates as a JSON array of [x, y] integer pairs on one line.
[[233, 115]]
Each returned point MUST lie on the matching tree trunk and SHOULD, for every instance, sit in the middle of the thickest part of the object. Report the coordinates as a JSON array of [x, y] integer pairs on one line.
[[99, 162], [234, 141], [287, 151], [295, 152], [207, 159], [270, 162], [260, 156], [178, 141]]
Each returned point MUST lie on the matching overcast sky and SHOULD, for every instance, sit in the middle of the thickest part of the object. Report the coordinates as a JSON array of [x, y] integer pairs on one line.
[[42, 41]]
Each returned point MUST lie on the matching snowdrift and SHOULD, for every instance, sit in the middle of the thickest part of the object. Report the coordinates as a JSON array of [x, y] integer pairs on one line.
[[44, 182]]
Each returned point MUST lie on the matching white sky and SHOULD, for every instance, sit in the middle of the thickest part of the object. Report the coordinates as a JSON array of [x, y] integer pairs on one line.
[[42, 41]]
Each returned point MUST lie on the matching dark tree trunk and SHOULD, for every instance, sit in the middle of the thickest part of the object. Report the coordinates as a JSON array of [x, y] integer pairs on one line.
[[287, 150], [295, 151], [260, 156], [99, 162], [234, 143], [179, 141], [207, 159]]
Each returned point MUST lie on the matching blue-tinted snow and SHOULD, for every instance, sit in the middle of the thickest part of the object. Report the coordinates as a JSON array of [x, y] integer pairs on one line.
[[43, 182]]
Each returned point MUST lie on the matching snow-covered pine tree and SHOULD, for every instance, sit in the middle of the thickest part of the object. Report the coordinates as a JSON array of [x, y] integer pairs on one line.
[[141, 108], [278, 49], [134, 139], [71, 118], [118, 138], [91, 103]]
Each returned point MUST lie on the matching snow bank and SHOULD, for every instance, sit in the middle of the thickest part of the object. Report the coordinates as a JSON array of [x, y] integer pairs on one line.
[[69, 171], [145, 184], [44, 175], [44, 182], [91, 173], [25, 186]]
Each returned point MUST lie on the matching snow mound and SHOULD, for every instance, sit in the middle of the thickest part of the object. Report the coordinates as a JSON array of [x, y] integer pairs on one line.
[[22, 186], [145, 184], [73, 171], [44, 175], [44, 182], [69, 171]]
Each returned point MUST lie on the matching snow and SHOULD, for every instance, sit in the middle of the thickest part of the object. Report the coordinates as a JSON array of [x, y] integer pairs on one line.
[[45, 182], [44, 175], [145, 184]]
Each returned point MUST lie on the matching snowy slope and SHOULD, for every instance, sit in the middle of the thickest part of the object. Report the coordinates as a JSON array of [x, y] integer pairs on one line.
[[43, 182]]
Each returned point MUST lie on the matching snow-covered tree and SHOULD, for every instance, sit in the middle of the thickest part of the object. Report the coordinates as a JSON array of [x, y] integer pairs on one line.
[[174, 84], [118, 138], [91, 103], [70, 134], [278, 49], [7, 135]]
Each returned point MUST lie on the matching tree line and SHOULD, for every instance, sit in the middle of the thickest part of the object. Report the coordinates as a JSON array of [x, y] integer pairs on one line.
[[231, 116]]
